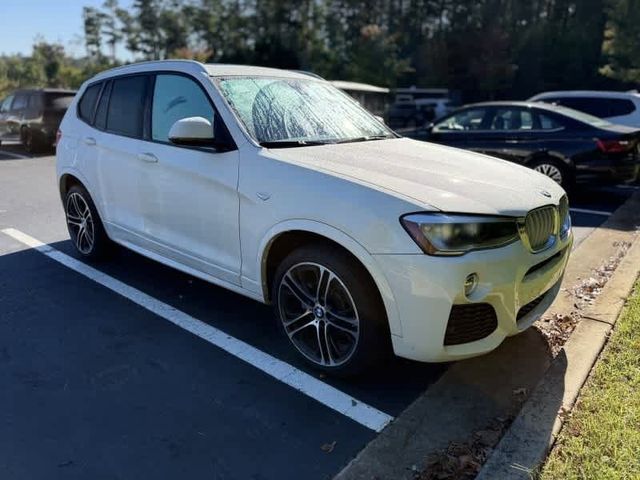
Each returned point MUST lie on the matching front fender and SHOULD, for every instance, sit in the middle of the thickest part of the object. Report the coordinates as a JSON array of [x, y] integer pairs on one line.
[[347, 242]]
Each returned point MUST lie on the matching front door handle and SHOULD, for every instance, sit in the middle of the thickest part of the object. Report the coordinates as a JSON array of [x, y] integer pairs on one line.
[[90, 141], [148, 157]]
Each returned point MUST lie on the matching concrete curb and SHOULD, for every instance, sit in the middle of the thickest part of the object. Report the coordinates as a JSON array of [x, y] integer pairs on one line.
[[473, 393], [527, 442]]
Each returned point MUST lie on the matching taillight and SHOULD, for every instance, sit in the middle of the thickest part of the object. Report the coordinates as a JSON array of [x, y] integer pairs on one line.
[[58, 136], [614, 146]]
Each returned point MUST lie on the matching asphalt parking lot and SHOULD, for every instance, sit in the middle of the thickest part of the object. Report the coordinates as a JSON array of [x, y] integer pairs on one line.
[[118, 371]]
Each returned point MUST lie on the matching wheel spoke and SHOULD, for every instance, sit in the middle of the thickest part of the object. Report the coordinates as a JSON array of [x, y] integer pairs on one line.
[[288, 323], [76, 207], [342, 318], [327, 342], [73, 221], [323, 288], [320, 338], [302, 327], [343, 329], [298, 291]]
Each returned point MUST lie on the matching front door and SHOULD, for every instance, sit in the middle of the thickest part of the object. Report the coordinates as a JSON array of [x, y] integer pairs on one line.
[[188, 195]]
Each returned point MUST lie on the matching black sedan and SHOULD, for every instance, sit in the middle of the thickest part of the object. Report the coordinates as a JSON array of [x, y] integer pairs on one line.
[[564, 144]]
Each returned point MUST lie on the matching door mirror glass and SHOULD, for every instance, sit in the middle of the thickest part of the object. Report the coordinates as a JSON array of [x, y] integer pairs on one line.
[[195, 131]]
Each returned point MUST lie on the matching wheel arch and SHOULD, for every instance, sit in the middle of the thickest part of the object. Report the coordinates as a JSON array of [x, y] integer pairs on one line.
[[285, 237], [549, 155]]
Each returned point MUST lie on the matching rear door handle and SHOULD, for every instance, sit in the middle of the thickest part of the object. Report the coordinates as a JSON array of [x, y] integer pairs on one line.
[[148, 157], [90, 141]]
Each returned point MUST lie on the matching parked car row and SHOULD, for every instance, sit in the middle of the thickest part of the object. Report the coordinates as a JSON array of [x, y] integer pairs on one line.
[[32, 116], [566, 145], [547, 133]]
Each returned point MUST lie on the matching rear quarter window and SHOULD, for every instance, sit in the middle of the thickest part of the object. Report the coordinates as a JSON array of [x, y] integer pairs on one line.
[[598, 107], [620, 106], [87, 103]]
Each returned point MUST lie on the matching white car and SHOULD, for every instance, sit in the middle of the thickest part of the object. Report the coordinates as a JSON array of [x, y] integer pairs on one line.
[[621, 108], [278, 186]]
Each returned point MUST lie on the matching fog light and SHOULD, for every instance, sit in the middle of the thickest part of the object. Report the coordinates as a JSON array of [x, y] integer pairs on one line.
[[470, 284]]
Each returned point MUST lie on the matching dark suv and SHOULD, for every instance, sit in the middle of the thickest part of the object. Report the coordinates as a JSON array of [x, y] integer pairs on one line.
[[33, 116]]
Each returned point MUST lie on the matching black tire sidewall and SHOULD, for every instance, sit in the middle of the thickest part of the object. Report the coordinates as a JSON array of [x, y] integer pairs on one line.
[[101, 241], [374, 336]]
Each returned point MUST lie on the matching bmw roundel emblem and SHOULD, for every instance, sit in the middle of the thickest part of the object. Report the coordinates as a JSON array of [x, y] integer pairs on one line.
[[544, 193]]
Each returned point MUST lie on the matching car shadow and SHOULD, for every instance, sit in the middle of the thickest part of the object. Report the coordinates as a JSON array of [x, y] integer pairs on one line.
[[17, 149], [390, 388], [478, 392]]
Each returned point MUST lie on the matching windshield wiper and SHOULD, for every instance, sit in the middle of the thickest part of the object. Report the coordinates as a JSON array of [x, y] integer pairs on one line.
[[293, 143], [366, 138]]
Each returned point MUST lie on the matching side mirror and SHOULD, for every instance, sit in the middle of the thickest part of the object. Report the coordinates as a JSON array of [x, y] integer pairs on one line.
[[429, 127], [193, 131], [380, 119]]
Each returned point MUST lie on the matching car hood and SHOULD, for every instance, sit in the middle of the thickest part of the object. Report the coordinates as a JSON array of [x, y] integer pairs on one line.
[[431, 175]]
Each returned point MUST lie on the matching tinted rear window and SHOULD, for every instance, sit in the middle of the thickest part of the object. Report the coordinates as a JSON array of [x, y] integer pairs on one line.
[[598, 107], [58, 101], [581, 116], [620, 106], [126, 106], [87, 103]]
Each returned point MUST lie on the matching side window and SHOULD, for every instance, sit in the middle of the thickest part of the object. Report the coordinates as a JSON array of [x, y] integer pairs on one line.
[[35, 102], [466, 120], [6, 104], [126, 106], [593, 106], [87, 103], [20, 102], [176, 97], [103, 106], [512, 119], [548, 123], [620, 106]]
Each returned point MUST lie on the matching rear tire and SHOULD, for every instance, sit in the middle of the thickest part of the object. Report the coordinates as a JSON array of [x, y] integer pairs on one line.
[[84, 225], [30, 141], [330, 310], [555, 170]]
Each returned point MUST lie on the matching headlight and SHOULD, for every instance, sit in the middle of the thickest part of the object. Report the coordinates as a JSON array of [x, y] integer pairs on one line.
[[446, 234]]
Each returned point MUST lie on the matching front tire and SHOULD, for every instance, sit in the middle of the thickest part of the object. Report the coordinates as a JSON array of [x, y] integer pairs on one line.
[[330, 310], [84, 225]]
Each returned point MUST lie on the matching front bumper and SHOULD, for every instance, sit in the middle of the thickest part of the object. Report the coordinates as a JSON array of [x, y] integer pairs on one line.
[[425, 288]]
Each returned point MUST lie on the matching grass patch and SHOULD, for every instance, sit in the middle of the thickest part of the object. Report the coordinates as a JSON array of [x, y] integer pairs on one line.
[[601, 439]]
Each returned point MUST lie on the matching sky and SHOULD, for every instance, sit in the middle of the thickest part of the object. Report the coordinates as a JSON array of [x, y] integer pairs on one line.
[[56, 20]]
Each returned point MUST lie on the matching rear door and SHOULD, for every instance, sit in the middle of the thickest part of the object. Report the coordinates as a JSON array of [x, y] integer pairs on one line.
[[119, 122]]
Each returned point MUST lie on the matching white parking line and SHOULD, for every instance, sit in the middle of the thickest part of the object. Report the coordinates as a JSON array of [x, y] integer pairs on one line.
[[329, 396], [591, 212], [13, 155]]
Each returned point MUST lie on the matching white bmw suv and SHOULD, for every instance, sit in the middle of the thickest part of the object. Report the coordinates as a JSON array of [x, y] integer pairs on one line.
[[278, 186]]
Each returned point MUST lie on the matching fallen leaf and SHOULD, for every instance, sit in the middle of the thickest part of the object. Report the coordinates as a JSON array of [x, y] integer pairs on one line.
[[328, 447]]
